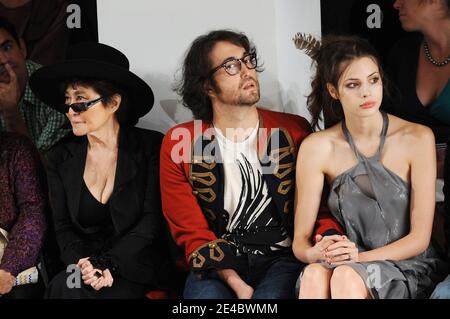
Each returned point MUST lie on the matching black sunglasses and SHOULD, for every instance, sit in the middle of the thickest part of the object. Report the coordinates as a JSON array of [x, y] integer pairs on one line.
[[81, 107]]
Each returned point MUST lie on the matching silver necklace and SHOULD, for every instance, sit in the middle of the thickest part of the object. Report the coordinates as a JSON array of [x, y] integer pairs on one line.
[[430, 58]]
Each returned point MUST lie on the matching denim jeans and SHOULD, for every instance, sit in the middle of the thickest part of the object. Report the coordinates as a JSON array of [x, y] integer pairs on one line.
[[271, 277], [442, 291]]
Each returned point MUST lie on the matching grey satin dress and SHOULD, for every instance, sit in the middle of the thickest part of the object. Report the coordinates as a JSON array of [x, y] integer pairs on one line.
[[372, 203]]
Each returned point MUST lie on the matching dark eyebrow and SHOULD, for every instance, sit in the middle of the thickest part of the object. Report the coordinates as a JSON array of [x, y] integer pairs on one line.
[[8, 41], [231, 58], [352, 79]]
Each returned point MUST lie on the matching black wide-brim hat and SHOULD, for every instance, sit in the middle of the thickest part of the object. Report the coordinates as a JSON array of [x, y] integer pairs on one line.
[[98, 61]]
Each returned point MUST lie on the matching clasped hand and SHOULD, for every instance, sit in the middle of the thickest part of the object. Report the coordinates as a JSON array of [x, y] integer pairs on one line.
[[93, 277], [334, 250]]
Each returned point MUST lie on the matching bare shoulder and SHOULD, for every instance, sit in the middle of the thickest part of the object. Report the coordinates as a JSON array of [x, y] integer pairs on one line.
[[319, 145], [410, 134]]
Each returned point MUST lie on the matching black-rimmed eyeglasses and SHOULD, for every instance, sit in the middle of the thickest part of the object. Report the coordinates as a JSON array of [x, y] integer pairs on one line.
[[80, 107], [233, 66]]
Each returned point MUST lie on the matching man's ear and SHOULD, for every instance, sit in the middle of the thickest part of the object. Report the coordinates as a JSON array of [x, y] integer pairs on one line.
[[23, 48], [209, 90], [332, 90]]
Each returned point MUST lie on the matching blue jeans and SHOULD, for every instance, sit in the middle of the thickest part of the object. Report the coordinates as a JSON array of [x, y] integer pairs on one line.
[[271, 277], [442, 290]]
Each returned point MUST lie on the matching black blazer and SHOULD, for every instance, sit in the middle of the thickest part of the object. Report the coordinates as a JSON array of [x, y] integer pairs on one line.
[[135, 204]]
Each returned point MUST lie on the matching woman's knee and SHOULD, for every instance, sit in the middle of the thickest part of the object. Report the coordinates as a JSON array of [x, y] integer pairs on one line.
[[314, 282], [346, 282], [342, 274], [315, 272]]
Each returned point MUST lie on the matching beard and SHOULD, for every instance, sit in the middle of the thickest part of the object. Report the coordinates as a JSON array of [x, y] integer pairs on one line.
[[245, 97], [249, 98]]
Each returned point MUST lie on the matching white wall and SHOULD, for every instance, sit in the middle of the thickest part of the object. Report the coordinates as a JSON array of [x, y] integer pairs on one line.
[[156, 34], [294, 67]]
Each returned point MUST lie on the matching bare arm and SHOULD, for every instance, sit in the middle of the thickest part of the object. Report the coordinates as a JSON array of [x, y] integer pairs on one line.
[[423, 176], [309, 186]]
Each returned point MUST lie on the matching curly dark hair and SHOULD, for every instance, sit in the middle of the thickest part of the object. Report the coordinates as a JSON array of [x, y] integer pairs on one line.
[[196, 77], [335, 54]]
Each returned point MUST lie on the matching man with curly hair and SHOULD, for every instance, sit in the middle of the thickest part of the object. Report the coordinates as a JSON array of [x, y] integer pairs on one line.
[[228, 178]]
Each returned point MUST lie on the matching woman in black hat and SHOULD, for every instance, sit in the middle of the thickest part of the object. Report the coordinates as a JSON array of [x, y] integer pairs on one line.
[[104, 181]]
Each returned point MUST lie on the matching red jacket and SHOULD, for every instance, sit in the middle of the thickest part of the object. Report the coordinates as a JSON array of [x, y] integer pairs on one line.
[[192, 184]]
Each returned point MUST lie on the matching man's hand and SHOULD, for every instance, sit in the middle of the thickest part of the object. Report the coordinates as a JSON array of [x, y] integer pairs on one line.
[[235, 282], [10, 93], [6, 282]]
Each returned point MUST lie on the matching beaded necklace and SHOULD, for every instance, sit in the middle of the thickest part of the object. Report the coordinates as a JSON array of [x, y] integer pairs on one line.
[[430, 58]]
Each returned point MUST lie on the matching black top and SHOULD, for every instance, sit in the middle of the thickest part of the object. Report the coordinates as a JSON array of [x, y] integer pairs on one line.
[[402, 67], [92, 212], [137, 244]]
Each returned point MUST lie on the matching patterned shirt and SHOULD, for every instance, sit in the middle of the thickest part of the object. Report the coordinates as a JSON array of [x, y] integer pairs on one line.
[[45, 125], [254, 226], [22, 202]]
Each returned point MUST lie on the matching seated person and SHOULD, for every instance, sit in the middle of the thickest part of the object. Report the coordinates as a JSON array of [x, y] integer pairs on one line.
[[382, 190], [104, 181], [20, 110], [227, 185], [420, 66], [22, 218]]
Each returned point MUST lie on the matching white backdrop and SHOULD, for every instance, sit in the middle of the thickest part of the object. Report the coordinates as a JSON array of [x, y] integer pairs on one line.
[[155, 35]]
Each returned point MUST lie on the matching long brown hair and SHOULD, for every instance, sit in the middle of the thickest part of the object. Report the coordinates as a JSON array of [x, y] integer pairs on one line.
[[335, 53]]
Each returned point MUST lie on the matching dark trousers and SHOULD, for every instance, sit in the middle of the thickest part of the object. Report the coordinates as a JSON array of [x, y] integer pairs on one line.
[[121, 289], [271, 277]]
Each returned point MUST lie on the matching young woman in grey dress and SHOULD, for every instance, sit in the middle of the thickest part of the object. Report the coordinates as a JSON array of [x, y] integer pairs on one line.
[[381, 171]]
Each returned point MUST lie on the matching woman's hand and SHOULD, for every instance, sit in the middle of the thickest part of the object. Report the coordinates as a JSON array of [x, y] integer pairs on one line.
[[106, 280], [88, 272], [342, 252], [316, 253]]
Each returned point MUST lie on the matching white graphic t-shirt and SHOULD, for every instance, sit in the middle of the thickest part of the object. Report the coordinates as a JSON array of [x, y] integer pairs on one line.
[[254, 225]]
